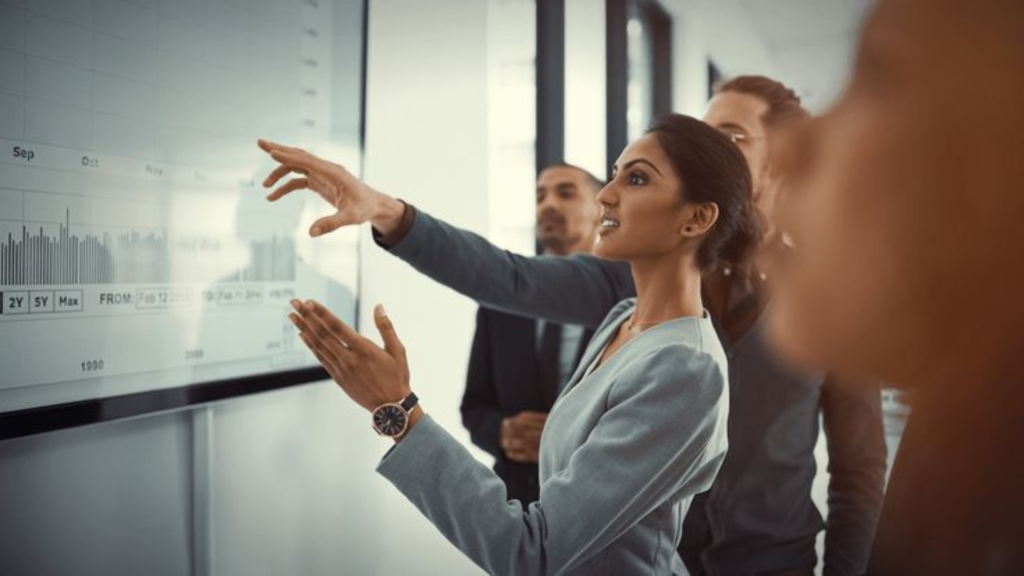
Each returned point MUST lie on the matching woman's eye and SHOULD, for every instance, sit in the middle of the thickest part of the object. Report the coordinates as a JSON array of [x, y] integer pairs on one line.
[[637, 179]]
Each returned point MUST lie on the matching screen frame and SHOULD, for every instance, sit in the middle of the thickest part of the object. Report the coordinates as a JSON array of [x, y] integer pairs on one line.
[[61, 416]]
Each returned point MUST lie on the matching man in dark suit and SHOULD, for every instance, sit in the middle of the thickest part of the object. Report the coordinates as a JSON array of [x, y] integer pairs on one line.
[[518, 365]]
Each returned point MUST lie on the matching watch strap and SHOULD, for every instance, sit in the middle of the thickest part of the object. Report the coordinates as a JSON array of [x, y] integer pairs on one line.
[[409, 402]]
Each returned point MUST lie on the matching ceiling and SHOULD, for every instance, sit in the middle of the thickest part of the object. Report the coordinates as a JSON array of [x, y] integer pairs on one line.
[[811, 42]]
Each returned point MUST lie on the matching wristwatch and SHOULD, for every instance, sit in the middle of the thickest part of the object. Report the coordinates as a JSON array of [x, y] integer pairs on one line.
[[392, 419]]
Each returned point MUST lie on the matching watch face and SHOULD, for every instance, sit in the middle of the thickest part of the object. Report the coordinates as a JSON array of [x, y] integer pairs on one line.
[[389, 420]]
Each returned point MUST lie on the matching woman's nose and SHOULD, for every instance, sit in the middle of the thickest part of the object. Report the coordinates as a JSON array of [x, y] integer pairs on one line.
[[607, 196]]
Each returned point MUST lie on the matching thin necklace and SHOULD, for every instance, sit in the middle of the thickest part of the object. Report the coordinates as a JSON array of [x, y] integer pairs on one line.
[[632, 324]]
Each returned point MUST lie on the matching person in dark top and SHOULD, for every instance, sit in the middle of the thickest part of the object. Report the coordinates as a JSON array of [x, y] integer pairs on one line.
[[905, 214], [517, 365], [759, 517]]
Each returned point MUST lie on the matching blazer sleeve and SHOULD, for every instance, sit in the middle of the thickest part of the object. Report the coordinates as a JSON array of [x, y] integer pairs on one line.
[[662, 438], [578, 289], [852, 417], [481, 414]]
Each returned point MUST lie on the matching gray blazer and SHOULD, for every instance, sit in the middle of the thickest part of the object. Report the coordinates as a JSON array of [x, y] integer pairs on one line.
[[625, 449], [764, 485]]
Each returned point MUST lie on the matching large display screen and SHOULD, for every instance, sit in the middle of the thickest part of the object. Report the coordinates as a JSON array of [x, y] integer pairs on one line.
[[137, 251]]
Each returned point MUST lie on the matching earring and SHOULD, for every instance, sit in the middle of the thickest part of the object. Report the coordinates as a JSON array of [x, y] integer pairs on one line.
[[689, 228]]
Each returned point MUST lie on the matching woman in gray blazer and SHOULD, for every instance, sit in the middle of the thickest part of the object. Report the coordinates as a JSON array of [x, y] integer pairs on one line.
[[641, 426]]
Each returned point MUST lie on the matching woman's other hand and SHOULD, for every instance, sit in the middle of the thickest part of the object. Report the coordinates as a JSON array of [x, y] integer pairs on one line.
[[354, 201], [369, 374]]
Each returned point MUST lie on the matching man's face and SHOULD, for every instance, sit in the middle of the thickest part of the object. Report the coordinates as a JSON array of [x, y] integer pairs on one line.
[[905, 200], [567, 211], [737, 113]]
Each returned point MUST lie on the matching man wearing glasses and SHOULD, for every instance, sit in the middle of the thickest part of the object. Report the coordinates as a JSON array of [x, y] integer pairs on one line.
[[759, 518]]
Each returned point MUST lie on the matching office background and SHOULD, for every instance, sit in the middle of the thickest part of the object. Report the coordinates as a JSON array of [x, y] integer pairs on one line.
[[283, 482]]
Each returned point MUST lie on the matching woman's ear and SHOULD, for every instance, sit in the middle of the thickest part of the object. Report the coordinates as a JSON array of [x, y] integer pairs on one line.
[[698, 219]]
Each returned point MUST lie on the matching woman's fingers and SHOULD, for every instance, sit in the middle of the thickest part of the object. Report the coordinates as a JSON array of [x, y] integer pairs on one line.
[[298, 321], [319, 336], [336, 370], [387, 331], [335, 326], [287, 188], [300, 160], [331, 223], [278, 173], [309, 328], [293, 155], [328, 360], [331, 181], [269, 146], [314, 323]]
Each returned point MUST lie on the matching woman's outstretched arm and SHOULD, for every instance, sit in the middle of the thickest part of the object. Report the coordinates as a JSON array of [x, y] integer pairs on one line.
[[575, 289]]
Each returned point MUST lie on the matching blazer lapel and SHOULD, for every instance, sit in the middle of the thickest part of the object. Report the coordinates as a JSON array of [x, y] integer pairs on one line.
[[593, 349], [588, 333]]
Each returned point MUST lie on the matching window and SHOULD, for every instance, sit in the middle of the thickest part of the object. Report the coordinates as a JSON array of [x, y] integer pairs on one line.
[[639, 70], [513, 143], [714, 77]]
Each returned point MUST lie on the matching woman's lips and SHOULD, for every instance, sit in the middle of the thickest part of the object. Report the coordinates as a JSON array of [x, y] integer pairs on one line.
[[608, 225]]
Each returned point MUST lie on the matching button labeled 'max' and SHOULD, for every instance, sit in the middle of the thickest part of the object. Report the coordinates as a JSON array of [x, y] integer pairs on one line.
[[68, 301]]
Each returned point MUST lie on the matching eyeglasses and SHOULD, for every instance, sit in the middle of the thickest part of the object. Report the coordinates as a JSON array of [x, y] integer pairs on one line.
[[739, 137]]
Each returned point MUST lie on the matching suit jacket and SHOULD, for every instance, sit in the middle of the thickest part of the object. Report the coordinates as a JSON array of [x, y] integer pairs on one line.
[[503, 380], [625, 449]]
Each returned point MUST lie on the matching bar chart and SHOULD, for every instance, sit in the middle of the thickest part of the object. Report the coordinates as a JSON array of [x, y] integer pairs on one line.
[[38, 258]]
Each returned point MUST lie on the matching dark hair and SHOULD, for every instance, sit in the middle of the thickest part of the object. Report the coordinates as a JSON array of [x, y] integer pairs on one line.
[[783, 103], [714, 170], [587, 173]]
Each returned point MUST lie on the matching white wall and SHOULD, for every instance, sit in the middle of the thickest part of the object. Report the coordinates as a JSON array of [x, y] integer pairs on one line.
[[586, 130], [719, 30], [106, 499], [511, 48], [806, 44], [427, 143]]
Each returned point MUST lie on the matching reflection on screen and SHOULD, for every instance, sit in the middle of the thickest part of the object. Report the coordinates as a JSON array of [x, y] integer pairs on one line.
[[136, 249]]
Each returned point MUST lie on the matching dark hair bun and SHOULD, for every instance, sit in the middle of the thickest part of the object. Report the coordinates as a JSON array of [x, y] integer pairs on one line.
[[714, 170]]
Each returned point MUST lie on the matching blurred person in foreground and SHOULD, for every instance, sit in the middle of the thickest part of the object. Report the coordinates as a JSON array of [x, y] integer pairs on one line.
[[906, 213], [517, 365]]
